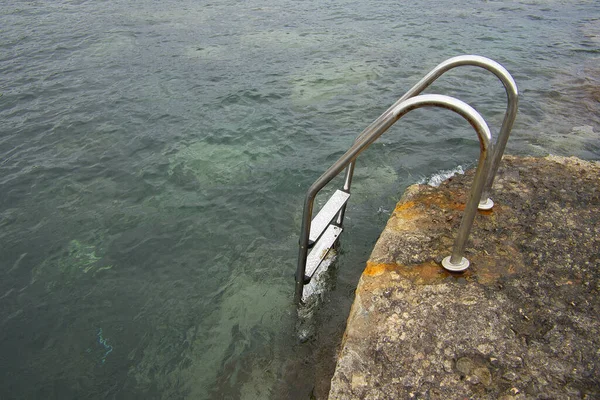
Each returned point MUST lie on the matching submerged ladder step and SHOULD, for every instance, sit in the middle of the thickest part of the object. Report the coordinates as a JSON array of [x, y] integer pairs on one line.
[[321, 248], [326, 215]]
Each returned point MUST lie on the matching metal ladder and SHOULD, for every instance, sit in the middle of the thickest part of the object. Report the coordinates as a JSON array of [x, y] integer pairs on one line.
[[321, 233]]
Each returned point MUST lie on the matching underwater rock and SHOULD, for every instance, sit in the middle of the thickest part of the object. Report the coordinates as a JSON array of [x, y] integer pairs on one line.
[[77, 260]]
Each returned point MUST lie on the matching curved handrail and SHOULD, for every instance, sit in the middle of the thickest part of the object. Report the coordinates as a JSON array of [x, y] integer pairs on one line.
[[509, 116], [456, 261]]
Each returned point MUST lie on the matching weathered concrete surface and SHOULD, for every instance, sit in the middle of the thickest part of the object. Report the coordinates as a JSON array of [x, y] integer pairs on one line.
[[522, 322]]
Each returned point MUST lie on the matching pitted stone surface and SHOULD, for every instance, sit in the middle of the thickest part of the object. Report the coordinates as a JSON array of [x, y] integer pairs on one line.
[[520, 323]]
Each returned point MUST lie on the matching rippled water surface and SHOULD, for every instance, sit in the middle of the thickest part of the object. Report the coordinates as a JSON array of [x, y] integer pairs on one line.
[[154, 156]]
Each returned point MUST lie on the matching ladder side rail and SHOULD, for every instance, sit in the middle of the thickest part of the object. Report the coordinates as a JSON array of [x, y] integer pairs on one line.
[[365, 140], [512, 94]]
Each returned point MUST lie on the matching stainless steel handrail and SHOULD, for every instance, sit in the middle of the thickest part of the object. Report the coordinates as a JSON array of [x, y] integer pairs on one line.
[[367, 138], [509, 117]]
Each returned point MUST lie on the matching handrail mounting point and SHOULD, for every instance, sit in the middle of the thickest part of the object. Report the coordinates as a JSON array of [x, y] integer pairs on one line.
[[452, 267]]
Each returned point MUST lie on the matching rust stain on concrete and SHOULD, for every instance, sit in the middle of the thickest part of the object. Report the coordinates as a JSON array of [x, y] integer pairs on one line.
[[412, 208], [374, 269], [407, 210], [482, 271], [444, 202], [424, 273]]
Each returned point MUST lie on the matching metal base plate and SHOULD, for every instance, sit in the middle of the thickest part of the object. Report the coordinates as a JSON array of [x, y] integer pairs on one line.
[[461, 266], [486, 204]]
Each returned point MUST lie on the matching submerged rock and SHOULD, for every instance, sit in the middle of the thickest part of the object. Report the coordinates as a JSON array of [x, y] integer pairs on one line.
[[77, 260]]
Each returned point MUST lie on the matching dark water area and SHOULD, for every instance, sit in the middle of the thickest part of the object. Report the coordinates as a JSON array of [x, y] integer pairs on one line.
[[154, 157]]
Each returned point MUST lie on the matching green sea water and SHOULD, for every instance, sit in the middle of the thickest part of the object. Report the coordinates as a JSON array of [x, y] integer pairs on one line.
[[154, 157]]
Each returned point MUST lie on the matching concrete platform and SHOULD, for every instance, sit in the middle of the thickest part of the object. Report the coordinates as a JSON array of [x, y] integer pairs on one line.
[[521, 323]]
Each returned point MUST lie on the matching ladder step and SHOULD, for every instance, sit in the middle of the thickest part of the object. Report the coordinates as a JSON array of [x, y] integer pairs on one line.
[[321, 248], [326, 215]]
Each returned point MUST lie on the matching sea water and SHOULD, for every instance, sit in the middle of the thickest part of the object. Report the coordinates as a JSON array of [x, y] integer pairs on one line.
[[154, 157]]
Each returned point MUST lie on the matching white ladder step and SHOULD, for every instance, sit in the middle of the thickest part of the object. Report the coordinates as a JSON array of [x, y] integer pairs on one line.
[[326, 215], [321, 248]]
